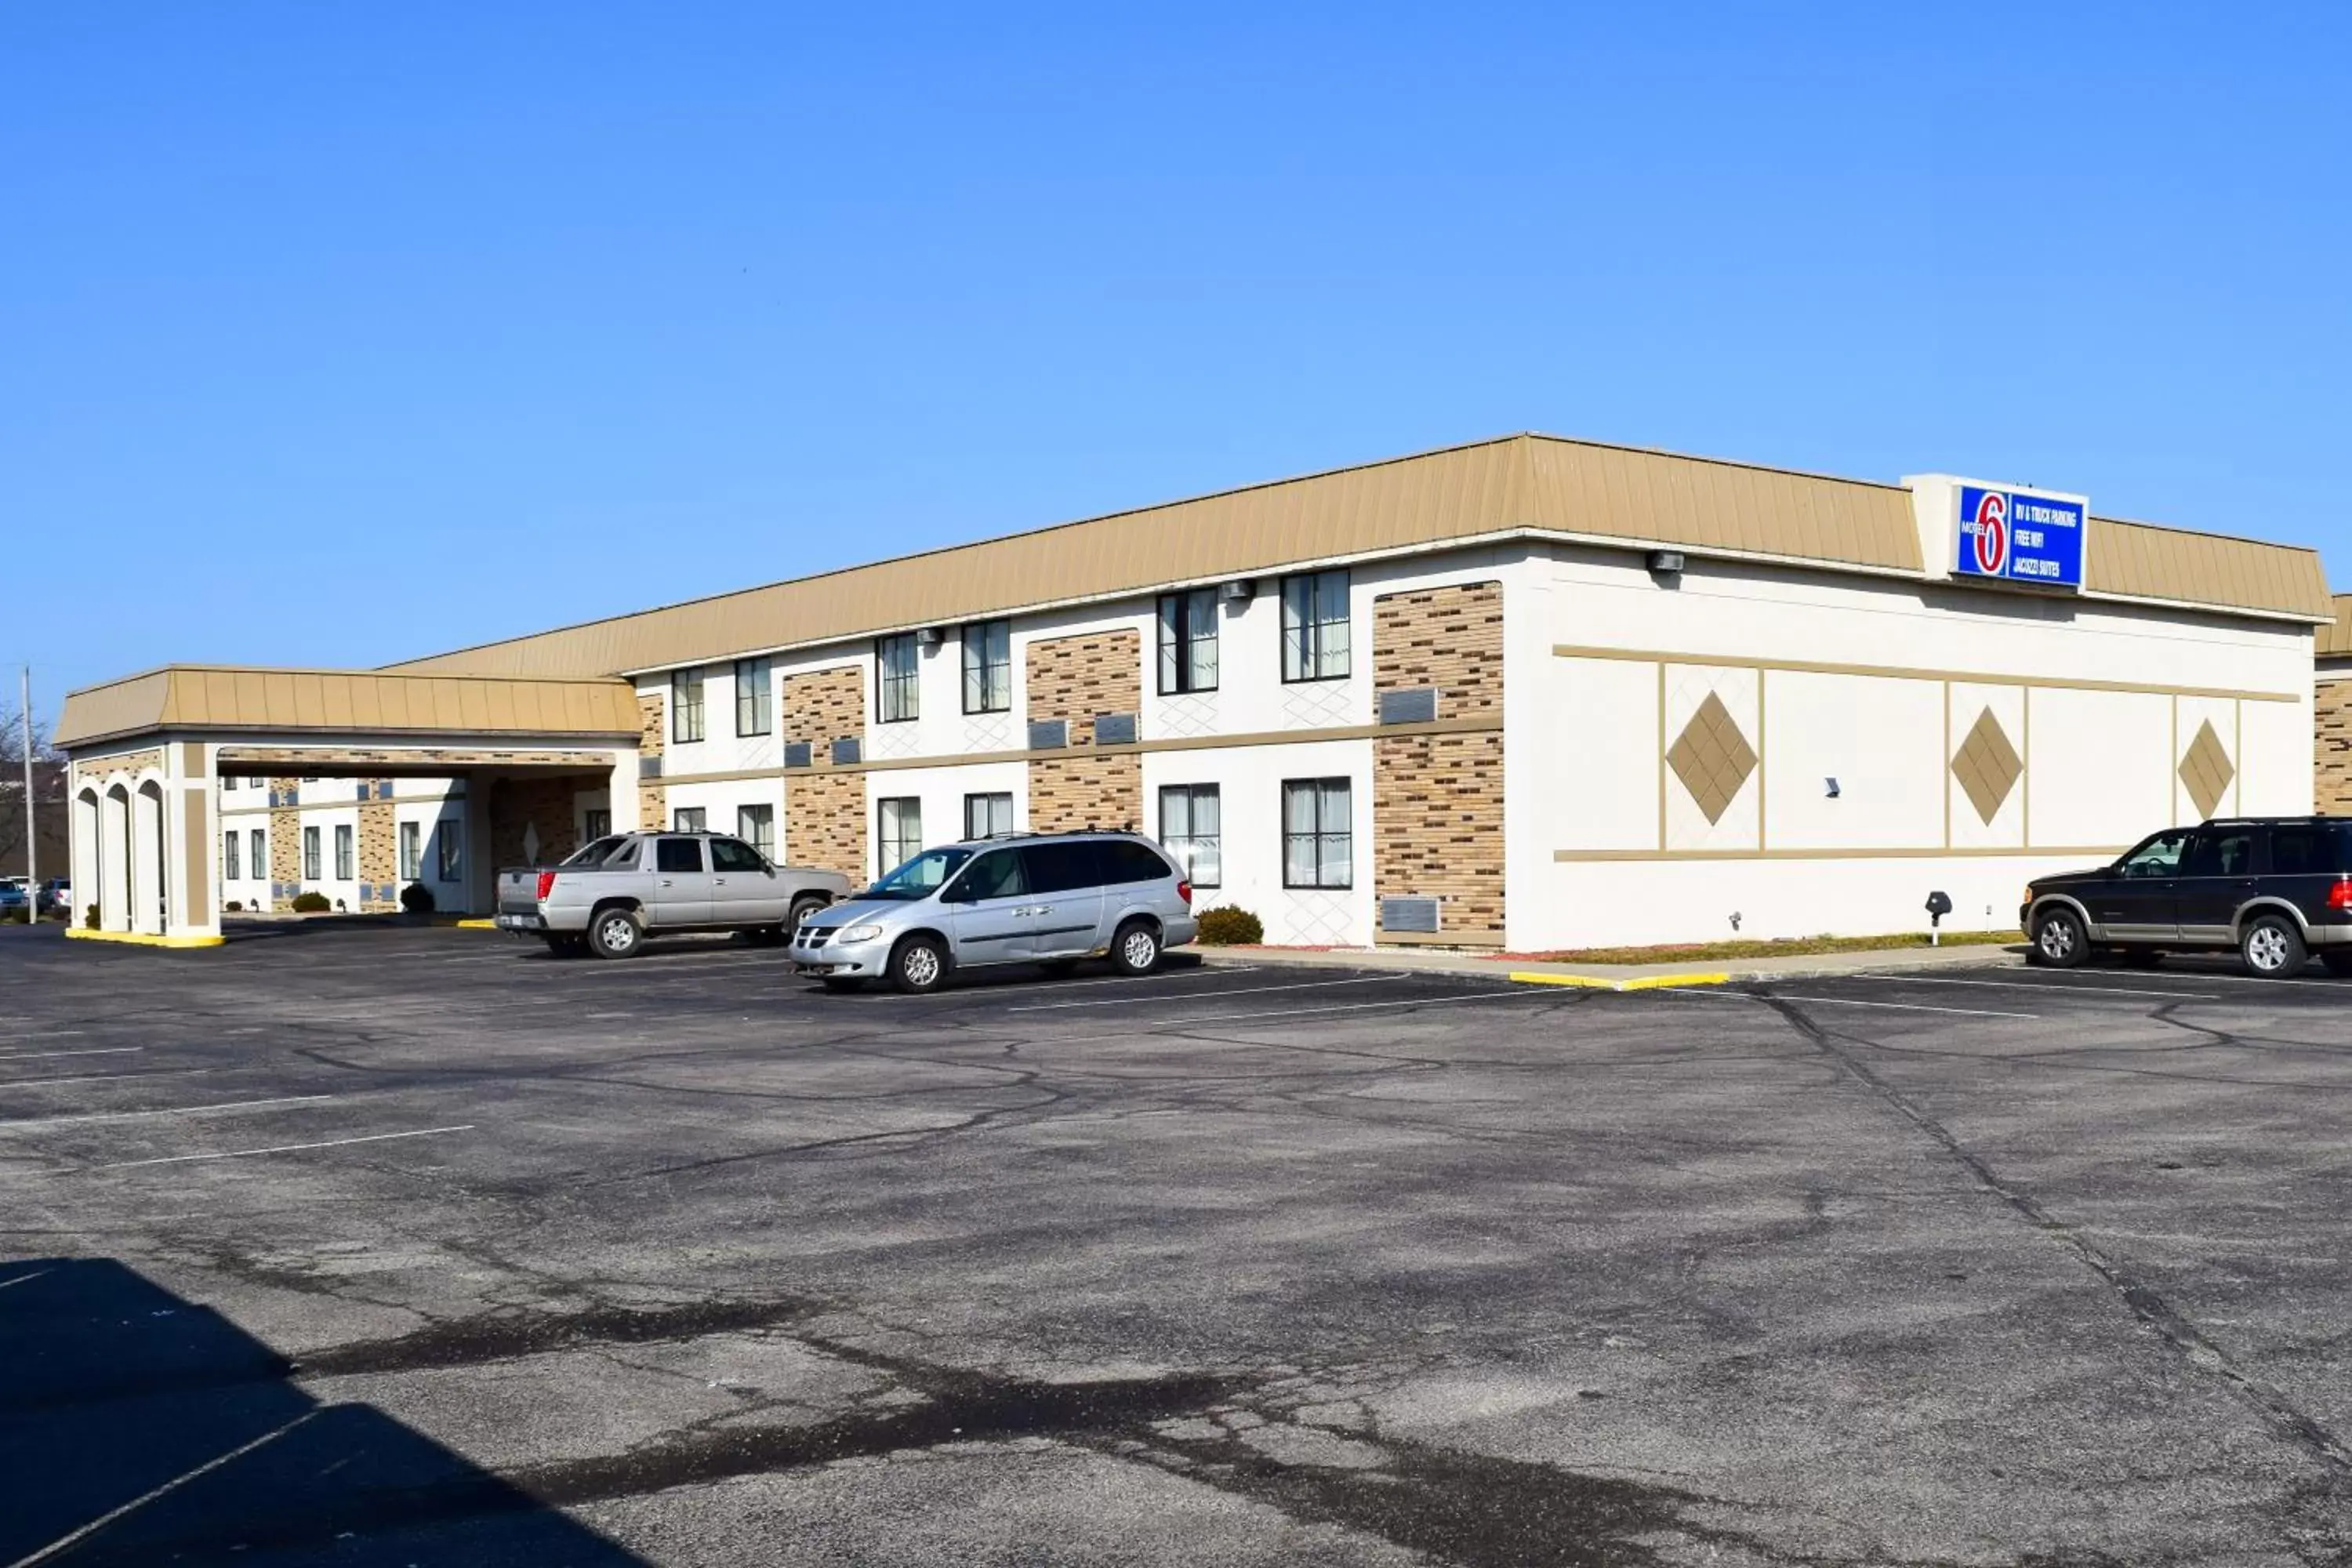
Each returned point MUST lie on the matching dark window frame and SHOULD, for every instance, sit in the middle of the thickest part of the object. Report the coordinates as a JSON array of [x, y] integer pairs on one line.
[[1318, 834], [701, 819], [1312, 633], [1193, 794], [449, 836], [1178, 636], [976, 659], [679, 707], [908, 684], [1012, 811], [752, 836], [751, 676], [883, 862], [310, 855]]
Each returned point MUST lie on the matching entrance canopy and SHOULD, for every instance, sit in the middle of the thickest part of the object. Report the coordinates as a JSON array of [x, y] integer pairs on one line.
[[147, 753]]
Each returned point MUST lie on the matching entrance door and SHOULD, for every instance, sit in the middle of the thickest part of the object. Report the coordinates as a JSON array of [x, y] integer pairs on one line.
[[991, 902], [681, 882]]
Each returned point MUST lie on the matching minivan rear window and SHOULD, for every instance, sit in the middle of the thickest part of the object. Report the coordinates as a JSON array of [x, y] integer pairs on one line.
[[1123, 860]]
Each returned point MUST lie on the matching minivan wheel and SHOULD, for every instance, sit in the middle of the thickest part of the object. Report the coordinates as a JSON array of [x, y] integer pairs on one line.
[[2058, 940], [615, 933], [2272, 947], [917, 964], [1135, 950]]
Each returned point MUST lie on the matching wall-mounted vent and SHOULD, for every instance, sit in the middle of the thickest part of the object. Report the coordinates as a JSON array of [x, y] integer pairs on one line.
[[1048, 734], [847, 751], [649, 767], [796, 755], [1114, 729], [1409, 914], [1409, 705]]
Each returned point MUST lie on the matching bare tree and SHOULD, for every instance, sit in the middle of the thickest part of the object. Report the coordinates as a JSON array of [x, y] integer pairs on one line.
[[48, 795]]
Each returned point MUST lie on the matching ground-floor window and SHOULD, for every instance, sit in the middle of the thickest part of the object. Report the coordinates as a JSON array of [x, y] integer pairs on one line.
[[229, 858], [260, 855], [310, 854], [1318, 843], [987, 815], [1191, 819], [599, 825], [754, 824], [411, 850], [688, 818], [453, 848], [898, 834], [343, 871]]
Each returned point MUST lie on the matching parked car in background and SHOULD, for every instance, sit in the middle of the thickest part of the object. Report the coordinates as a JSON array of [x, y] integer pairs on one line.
[[57, 897], [617, 891], [13, 895], [2277, 889], [1050, 898]]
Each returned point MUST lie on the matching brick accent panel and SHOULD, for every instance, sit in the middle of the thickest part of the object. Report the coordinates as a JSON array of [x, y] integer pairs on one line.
[[97, 769], [544, 803], [1066, 793], [1437, 828], [1451, 638], [821, 706], [2331, 777], [825, 822], [285, 837], [652, 729], [379, 851], [1437, 800], [1076, 678]]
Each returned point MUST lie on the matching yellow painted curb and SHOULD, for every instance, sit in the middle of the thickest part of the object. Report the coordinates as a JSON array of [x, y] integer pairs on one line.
[[1646, 982], [141, 939], [477, 925]]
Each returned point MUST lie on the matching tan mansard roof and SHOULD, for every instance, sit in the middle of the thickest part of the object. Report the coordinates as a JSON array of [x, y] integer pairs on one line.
[[344, 702], [1519, 484]]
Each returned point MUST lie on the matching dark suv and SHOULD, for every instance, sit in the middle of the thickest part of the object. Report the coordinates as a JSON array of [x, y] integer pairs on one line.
[[2275, 887]]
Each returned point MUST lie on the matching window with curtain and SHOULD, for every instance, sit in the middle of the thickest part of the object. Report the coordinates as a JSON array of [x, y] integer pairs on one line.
[[1191, 826], [259, 845], [987, 816], [450, 835], [987, 666], [755, 711], [899, 836], [1315, 642], [756, 826], [896, 697], [229, 845], [686, 705], [412, 851], [345, 872], [310, 855], [1188, 641], [1318, 840], [689, 819]]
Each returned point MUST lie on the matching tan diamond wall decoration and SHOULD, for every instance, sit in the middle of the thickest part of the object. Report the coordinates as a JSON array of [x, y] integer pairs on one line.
[[1712, 757], [2205, 769], [1986, 766]]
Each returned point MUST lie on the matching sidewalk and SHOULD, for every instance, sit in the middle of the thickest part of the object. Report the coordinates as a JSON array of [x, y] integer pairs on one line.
[[1622, 976]]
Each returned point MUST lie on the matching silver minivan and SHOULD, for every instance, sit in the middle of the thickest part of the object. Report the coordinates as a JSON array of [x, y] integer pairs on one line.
[[1050, 898]]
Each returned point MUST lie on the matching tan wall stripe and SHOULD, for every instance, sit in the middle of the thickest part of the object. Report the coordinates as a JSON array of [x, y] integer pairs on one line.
[[457, 796], [1900, 672]]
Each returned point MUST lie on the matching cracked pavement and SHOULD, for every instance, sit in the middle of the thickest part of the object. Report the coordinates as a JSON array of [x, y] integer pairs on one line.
[[371, 1245]]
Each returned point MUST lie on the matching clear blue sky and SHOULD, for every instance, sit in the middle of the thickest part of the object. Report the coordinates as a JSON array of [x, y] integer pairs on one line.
[[332, 334]]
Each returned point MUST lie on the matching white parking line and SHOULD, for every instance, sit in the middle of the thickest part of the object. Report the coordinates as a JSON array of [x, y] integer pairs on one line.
[[2035, 985], [20, 1278], [11, 1126], [1838, 1002], [39, 1035], [966, 994], [106, 1076], [87, 1051], [281, 1148], [1240, 991], [1522, 995]]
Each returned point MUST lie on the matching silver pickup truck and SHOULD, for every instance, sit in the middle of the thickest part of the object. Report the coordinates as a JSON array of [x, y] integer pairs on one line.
[[616, 892]]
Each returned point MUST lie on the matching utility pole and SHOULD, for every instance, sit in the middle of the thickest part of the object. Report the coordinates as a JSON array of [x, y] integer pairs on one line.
[[32, 865]]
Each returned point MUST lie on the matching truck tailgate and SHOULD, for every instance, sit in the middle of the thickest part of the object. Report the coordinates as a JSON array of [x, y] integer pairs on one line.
[[518, 891]]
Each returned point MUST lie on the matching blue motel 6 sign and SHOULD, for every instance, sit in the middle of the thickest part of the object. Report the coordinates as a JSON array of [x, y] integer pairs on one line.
[[2020, 537]]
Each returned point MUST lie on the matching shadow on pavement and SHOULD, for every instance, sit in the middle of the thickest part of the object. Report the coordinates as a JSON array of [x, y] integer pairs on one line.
[[137, 1427]]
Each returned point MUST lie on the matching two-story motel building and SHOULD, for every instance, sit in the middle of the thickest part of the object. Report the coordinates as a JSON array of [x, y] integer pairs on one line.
[[1530, 693]]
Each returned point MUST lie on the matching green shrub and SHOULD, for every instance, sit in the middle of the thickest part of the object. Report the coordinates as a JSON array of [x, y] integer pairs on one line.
[[312, 904], [1227, 926], [233, 907], [90, 918], [416, 899]]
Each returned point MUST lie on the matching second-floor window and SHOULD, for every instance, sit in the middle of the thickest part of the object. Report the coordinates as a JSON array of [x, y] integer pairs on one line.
[[1315, 626], [896, 697], [987, 666], [1188, 641], [754, 707], [686, 705]]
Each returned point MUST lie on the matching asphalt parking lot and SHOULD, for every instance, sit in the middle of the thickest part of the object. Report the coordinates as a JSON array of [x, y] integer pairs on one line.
[[375, 1245]]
